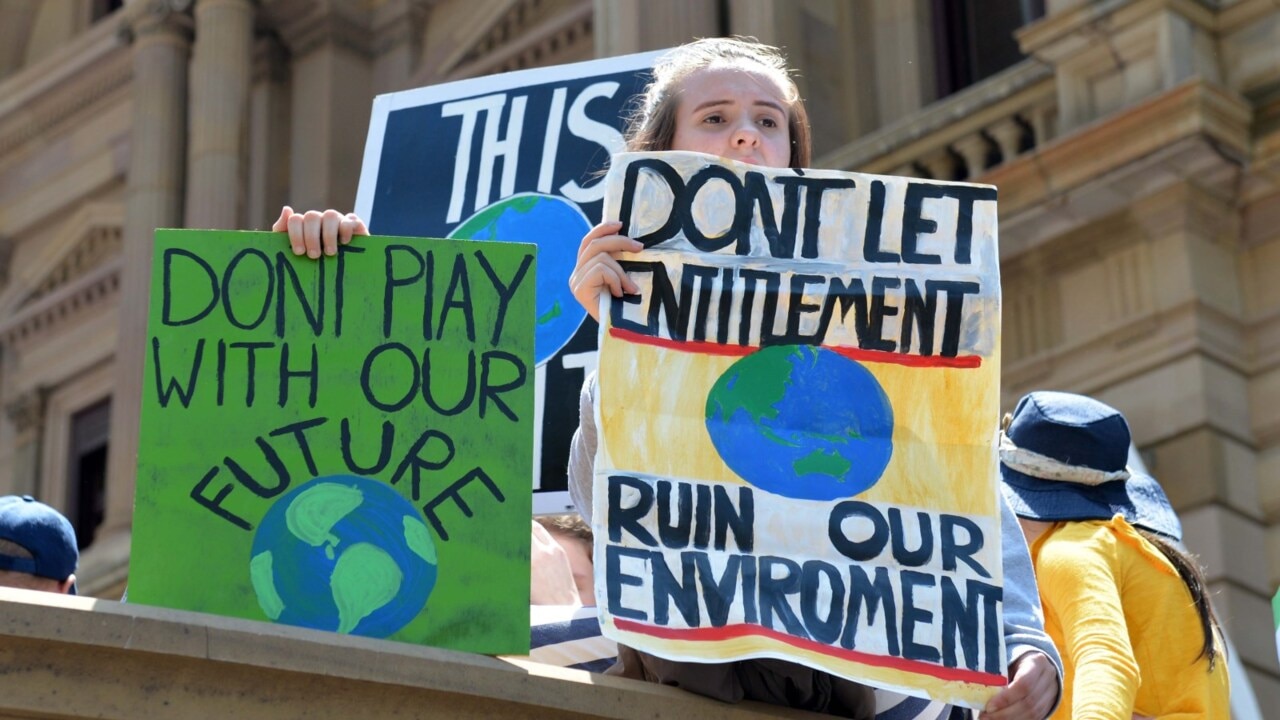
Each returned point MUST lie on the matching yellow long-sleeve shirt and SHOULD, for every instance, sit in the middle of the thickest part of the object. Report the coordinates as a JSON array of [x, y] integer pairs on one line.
[[1125, 623]]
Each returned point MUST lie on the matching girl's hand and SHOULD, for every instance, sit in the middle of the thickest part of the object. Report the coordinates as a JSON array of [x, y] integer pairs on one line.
[[598, 267], [1031, 691], [314, 232]]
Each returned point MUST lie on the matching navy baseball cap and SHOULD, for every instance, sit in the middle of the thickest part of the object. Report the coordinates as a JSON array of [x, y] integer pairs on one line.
[[43, 532]]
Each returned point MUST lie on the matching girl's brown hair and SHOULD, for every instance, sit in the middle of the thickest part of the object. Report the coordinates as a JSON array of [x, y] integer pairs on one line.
[[1189, 570], [653, 124]]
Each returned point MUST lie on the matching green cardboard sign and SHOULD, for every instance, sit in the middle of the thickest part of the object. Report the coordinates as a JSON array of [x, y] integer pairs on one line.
[[342, 444]]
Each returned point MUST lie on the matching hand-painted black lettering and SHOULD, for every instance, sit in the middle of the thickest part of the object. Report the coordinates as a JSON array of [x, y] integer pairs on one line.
[[739, 231], [668, 590], [393, 280], [415, 461], [312, 373], [458, 296], [448, 380], [860, 550], [384, 448], [188, 289], [871, 251], [494, 381], [615, 579], [913, 614], [506, 291], [653, 166], [312, 311], [815, 602], [165, 391], [774, 589], [214, 504], [630, 517], [923, 552], [298, 430], [234, 286], [454, 492]]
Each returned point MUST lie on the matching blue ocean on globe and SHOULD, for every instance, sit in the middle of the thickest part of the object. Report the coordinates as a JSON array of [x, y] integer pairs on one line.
[[801, 421], [343, 553], [556, 226]]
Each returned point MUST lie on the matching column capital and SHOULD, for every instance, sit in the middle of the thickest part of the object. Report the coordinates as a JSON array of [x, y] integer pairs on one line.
[[142, 18], [26, 411], [304, 27]]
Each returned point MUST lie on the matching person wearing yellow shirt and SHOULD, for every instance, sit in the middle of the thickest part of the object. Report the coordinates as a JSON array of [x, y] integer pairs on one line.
[[1126, 607]]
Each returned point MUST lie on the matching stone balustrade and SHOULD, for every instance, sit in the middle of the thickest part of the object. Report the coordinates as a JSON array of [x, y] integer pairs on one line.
[[963, 136]]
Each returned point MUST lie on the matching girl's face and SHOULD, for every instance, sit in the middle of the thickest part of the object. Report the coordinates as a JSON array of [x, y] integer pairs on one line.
[[736, 114]]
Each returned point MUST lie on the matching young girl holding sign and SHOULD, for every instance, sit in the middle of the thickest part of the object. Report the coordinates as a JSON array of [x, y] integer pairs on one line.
[[735, 98]]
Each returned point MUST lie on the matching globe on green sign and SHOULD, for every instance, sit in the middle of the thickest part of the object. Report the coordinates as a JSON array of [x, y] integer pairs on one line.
[[801, 421], [343, 553], [556, 226]]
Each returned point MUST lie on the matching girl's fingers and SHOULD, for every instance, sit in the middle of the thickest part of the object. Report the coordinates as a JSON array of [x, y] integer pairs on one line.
[[282, 224], [330, 223], [294, 225], [351, 225], [311, 233], [604, 228]]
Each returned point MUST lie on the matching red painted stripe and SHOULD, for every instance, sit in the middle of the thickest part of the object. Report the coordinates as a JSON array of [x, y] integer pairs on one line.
[[730, 632], [878, 356]]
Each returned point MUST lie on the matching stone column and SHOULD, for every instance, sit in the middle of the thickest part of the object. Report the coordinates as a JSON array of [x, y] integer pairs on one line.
[[220, 68], [268, 134], [331, 82], [904, 69], [622, 28], [161, 36]]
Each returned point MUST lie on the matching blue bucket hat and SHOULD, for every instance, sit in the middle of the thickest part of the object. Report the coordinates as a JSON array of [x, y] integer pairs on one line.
[[43, 532], [1063, 457]]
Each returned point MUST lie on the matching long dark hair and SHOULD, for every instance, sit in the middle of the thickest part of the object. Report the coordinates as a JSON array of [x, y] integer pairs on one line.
[[1193, 577]]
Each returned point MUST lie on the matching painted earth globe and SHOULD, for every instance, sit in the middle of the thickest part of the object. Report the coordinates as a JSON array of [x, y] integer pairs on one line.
[[556, 226], [801, 421], [343, 553]]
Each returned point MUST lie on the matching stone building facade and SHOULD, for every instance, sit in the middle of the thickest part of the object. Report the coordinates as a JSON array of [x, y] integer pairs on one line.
[[1135, 143]]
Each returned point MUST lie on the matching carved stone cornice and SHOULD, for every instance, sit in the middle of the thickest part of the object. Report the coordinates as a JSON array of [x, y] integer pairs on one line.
[[26, 411], [306, 26], [529, 35], [54, 309], [401, 22], [43, 97]]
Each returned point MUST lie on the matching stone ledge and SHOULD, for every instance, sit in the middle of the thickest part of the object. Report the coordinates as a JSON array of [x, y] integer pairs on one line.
[[73, 657]]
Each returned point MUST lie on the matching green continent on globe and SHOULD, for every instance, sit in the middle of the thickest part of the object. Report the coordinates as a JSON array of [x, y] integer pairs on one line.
[[757, 387], [261, 574], [555, 312], [418, 538], [364, 579], [312, 515], [821, 462]]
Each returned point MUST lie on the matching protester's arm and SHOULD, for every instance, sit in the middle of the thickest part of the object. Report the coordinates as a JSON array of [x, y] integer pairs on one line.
[[582, 450], [1078, 578], [315, 232], [1035, 668]]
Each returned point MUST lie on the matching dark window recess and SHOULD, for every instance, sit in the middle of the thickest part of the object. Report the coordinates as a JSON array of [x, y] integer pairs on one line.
[[87, 470], [103, 8], [973, 39]]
